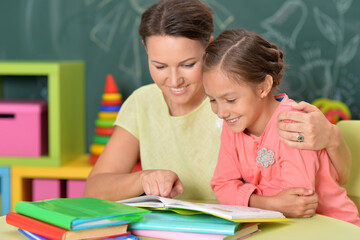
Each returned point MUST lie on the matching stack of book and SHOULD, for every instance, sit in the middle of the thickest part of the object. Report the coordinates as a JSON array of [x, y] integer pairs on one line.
[[75, 218], [177, 220]]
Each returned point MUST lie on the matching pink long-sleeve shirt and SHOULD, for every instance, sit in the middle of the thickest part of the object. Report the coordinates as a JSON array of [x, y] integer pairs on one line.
[[238, 174]]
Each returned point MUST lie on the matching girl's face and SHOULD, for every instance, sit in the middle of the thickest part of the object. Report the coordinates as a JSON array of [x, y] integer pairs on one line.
[[238, 104], [175, 65]]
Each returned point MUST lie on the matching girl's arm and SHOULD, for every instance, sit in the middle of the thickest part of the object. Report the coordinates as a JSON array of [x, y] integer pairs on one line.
[[111, 177], [227, 181], [318, 134], [292, 202]]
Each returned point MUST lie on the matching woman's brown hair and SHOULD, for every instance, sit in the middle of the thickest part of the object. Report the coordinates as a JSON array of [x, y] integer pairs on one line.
[[245, 56], [183, 18]]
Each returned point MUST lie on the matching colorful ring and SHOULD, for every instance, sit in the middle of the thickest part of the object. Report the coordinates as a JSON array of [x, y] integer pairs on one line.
[[111, 102], [107, 115], [93, 159], [115, 108], [104, 131], [96, 149], [104, 122], [111, 96], [101, 139]]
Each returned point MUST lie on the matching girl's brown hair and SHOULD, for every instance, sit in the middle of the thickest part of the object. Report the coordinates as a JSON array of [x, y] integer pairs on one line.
[[184, 18], [245, 56]]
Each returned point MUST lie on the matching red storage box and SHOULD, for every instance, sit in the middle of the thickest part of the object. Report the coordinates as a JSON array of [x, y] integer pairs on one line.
[[23, 128]]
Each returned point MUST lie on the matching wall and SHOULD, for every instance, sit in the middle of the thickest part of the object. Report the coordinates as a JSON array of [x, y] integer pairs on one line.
[[320, 40]]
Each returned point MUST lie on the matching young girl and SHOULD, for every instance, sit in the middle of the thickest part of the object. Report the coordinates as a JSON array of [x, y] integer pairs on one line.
[[241, 71]]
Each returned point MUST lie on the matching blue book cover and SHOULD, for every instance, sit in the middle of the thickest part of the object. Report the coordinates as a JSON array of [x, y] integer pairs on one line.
[[33, 236], [198, 223]]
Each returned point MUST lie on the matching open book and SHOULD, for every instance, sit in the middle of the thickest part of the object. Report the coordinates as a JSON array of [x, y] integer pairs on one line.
[[230, 212]]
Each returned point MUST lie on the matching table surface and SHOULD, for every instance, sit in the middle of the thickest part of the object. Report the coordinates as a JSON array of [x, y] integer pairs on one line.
[[317, 227]]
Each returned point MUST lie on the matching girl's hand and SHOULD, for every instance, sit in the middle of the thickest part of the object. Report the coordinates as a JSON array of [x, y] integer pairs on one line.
[[311, 123], [164, 183], [295, 202]]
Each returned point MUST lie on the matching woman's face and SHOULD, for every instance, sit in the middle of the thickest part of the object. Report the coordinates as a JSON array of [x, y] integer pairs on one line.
[[175, 65]]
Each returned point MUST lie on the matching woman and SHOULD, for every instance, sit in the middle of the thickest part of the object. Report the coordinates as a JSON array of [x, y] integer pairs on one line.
[[171, 124]]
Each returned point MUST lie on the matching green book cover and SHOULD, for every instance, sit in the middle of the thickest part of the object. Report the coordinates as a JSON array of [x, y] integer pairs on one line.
[[80, 213]]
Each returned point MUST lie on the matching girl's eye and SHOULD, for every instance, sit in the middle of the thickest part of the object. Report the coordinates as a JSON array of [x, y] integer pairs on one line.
[[231, 100], [189, 65], [212, 100]]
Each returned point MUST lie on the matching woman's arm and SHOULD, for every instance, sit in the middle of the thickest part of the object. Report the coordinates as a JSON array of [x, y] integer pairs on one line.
[[111, 177], [318, 134]]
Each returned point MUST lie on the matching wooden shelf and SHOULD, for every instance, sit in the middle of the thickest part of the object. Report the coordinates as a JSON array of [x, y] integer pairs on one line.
[[21, 176], [66, 109]]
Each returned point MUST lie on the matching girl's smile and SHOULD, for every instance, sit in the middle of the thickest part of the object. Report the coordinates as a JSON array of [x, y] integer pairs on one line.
[[233, 121]]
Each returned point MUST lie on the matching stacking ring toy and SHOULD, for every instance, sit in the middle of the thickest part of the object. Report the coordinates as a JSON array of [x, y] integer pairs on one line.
[[107, 115], [111, 102], [101, 139], [115, 108], [111, 96], [104, 122], [104, 131], [93, 159], [96, 149]]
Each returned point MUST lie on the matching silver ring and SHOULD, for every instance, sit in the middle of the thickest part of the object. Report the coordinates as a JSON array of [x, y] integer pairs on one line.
[[299, 137]]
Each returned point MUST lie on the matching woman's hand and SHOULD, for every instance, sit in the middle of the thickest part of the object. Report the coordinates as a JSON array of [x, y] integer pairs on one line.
[[292, 202], [311, 123], [318, 134], [164, 183]]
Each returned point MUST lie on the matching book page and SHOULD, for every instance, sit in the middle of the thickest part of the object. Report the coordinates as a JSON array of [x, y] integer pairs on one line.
[[224, 211]]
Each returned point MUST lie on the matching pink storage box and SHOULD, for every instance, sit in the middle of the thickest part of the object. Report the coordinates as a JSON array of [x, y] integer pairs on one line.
[[75, 188], [23, 128], [47, 188]]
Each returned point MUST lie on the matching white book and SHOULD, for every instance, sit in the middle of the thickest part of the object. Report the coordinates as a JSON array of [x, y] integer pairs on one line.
[[230, 212]]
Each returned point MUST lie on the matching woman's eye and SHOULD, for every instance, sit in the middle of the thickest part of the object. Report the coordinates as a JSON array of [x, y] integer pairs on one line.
[[189, 65], [160, 67], [231, 100], [212, 100]]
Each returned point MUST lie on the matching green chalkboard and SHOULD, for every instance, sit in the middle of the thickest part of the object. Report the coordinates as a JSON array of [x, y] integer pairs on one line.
[[320, 40]]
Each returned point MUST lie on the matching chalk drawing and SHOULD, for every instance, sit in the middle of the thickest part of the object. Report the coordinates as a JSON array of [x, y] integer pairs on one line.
[[334, 32], [343, 5], [223, 17], [285, 24], [318, 74], [132, 46], [103, 32], [89, 2], [140, 5], [296, 87]]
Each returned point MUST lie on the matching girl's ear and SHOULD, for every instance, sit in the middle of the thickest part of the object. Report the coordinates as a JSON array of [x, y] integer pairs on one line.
[[266, 86], [211, 39]]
